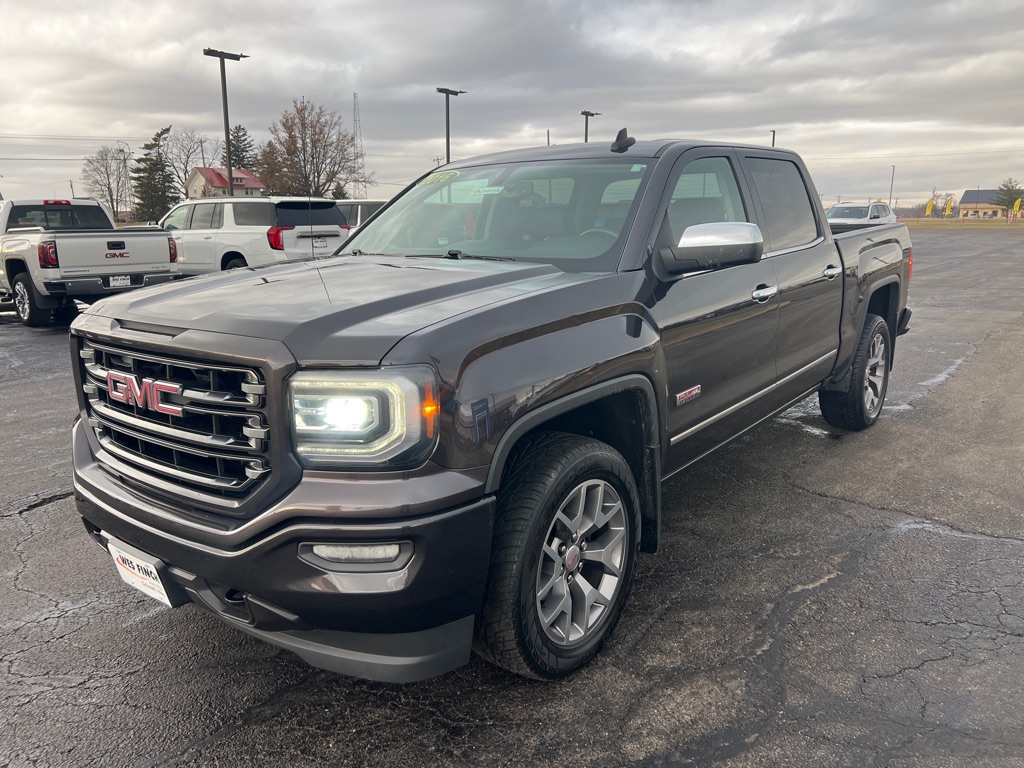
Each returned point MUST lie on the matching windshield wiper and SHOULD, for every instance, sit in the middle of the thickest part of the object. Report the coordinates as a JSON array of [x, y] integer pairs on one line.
[[455, 253]]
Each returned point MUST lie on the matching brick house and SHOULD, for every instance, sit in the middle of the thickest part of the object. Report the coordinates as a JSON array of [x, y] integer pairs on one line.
[[213, 182]]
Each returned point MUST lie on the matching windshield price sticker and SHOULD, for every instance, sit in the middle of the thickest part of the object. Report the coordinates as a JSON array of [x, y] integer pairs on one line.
[[438, 178]]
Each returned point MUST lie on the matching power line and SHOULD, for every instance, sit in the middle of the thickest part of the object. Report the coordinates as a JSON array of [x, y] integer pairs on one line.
[[79, 137]]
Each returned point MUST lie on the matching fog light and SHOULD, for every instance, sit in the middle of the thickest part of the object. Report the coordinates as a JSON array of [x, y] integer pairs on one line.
[[358, 553]]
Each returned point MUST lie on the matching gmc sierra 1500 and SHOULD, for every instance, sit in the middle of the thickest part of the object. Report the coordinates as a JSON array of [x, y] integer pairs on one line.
[[56, 251], [453, 433]]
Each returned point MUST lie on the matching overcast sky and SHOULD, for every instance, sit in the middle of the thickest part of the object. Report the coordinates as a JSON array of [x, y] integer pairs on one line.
[[932, 87]]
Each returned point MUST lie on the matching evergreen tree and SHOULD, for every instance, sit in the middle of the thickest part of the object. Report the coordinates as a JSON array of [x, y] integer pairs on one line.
[[243, 148], [1007, 194], [153, 180]]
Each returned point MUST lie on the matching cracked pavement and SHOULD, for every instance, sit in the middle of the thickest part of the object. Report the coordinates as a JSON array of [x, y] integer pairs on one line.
[[821, 598]]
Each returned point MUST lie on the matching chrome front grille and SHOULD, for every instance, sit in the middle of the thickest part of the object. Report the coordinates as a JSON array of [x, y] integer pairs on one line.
[[185, 429]]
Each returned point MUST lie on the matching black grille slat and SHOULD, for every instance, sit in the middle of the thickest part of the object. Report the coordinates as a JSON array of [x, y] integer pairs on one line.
[[215, 449]]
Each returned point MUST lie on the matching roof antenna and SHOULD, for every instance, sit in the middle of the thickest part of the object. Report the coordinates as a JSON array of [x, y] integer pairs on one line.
[[622, 142]]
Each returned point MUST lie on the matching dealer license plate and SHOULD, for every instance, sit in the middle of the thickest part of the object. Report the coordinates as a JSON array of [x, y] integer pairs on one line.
[[319, 242], [141, 571], [120, 281]]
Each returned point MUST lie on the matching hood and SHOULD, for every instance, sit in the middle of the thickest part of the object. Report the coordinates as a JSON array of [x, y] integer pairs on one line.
[[345, 310]]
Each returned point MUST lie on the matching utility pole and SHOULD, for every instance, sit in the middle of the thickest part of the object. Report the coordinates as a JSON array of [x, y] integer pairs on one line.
[[773, 138], [891, 182], [222, 55]]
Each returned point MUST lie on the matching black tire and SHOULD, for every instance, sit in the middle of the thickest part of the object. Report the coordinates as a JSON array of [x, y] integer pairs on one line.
[[235, 263], [860, 407], [551, 549], [26, 302]]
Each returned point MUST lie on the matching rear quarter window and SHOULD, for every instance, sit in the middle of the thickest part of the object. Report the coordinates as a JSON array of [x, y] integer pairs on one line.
[[253, 214], [305, 214]]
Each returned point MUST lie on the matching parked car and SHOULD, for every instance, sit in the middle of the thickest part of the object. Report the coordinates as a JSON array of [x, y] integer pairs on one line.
[[847, 216], [356, 212], [453, 434], [55, 252], [219, 233]]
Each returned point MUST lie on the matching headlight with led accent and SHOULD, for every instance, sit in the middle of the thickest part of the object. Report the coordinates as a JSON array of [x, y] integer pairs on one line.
[[381, 418]]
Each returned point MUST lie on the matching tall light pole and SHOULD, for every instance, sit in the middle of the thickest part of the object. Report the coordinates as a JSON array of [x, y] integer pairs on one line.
[[891, 181], [222, 55], [587, 114], [448, 93], [773, 138]]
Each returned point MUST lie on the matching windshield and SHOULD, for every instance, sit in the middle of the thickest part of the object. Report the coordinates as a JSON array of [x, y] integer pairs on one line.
[[572, 214], [847, 212]]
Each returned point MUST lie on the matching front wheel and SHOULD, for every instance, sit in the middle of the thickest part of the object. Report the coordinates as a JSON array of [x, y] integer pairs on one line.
[[566, 541], [860, 407], [26, 302]]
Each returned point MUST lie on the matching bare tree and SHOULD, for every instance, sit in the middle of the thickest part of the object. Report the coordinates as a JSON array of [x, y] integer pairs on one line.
[[186, 149], [107, 178], [309, 153]]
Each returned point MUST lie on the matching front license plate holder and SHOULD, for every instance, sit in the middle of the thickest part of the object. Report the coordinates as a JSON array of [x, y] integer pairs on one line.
[[142, 571]]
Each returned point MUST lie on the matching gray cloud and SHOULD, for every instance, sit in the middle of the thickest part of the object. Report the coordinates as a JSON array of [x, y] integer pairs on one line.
[[930, 87]]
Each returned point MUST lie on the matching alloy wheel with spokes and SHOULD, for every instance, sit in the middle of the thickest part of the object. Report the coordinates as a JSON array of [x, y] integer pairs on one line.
[[859, 406], [566, 539], [875, 375], [581, 563]]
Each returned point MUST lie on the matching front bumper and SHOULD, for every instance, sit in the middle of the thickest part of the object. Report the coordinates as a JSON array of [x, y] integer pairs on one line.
[[400, 625]]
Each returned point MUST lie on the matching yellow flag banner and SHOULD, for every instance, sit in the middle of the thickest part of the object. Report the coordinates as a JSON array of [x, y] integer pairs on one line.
[[949, 206], [1016, 206], [928, 210]]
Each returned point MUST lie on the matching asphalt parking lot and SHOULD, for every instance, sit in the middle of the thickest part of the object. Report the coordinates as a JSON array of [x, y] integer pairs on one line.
[[822, 598]]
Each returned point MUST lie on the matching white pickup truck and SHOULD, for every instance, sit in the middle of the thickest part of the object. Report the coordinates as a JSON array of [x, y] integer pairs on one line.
[[57, 251]]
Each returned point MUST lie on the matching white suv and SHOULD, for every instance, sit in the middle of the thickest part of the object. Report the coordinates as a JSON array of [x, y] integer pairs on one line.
[[216, 233]]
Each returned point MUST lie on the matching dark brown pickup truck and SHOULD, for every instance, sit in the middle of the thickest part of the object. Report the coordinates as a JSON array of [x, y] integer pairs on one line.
[[452, 433]]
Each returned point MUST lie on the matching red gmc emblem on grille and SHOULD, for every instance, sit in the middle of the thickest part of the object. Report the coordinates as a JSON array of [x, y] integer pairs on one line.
[[145, 393]]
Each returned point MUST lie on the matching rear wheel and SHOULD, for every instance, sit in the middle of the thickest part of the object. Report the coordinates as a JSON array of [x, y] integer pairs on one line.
[[860, 407], [236, 262], [565, 548], [26, 302]]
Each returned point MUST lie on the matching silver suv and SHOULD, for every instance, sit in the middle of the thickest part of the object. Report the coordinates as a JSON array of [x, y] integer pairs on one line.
[[217, 233]]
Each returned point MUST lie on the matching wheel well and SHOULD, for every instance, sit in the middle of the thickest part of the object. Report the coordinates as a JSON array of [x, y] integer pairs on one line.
[[885, 303], [14, 268], [623, 420], [616, 420], [230, 256]]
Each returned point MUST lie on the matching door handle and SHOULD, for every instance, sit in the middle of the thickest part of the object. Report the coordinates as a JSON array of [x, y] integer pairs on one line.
[[764, 292], [832, 272]]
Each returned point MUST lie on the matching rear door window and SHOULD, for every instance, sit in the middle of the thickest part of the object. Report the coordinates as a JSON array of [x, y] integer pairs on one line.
[[789, 217], [206, 216]]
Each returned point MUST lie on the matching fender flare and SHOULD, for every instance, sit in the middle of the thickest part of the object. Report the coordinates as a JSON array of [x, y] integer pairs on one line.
[[648, 479]]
